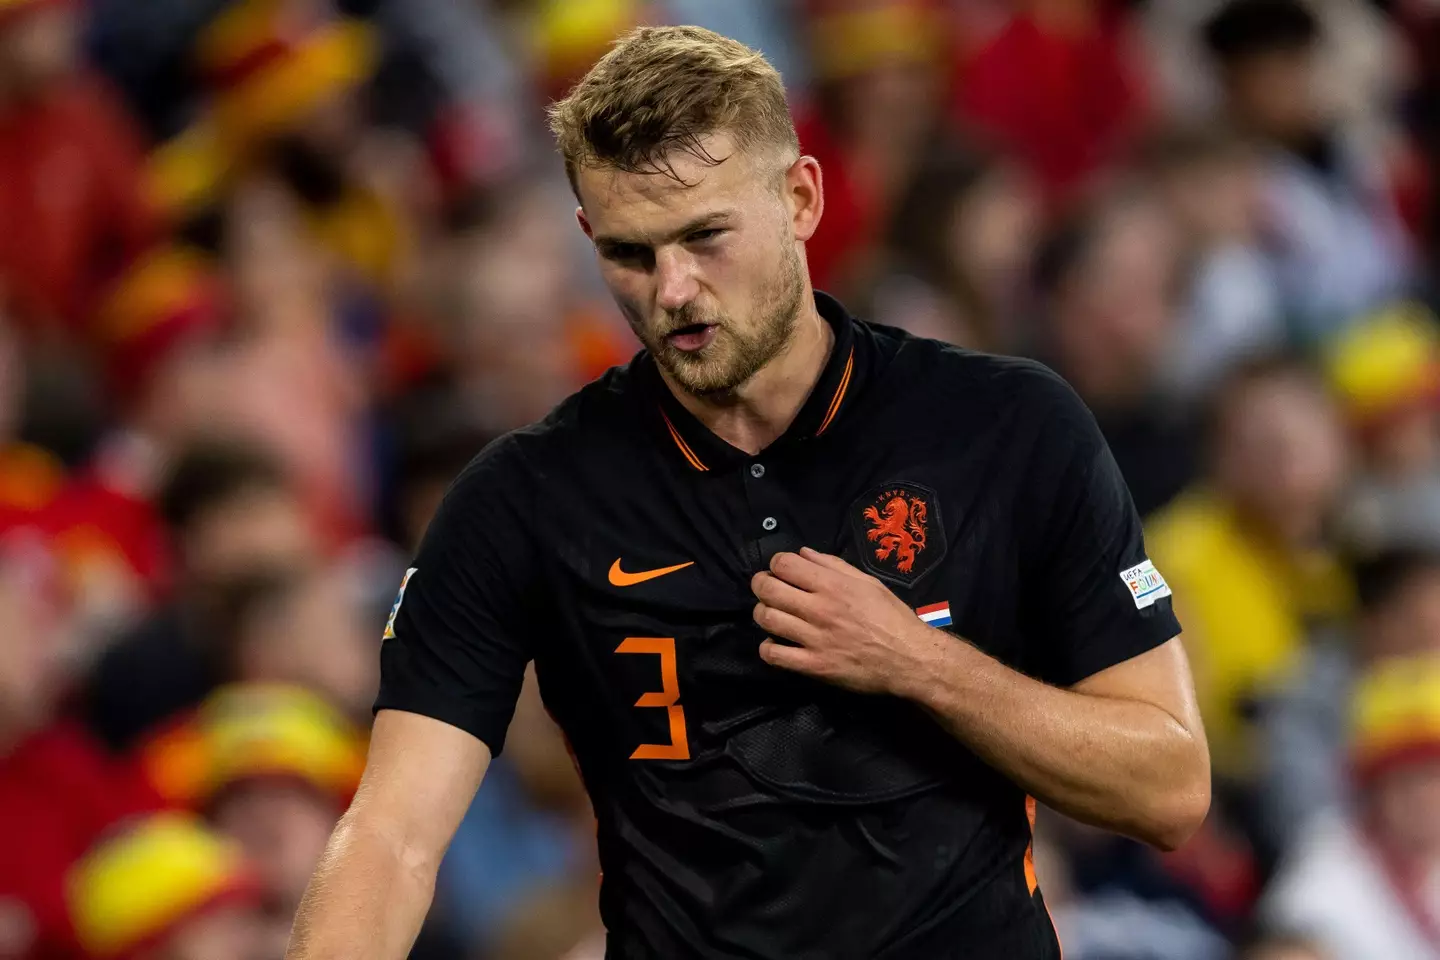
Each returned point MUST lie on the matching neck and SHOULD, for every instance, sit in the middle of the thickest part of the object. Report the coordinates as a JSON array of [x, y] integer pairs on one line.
[[756, 413]]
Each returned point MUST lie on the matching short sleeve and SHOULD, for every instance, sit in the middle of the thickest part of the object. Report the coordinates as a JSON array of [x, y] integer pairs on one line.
[[455, 646], [1096, 600]]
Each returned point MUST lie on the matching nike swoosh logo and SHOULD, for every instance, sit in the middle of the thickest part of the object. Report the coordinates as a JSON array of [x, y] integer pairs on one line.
[[620, 578]]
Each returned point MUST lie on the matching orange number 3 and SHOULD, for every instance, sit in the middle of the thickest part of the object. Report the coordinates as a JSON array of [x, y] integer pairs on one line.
[[669, 697]]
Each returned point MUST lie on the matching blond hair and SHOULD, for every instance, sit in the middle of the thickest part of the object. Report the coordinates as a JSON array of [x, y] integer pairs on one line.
[[662, 89]]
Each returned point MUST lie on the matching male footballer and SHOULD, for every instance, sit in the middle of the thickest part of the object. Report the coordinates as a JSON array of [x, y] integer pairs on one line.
[[822, 608]]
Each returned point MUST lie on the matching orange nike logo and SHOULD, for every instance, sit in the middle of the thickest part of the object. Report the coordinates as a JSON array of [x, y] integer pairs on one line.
[[620, 578]]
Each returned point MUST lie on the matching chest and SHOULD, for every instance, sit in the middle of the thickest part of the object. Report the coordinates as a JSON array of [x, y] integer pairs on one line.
[[651, 604]]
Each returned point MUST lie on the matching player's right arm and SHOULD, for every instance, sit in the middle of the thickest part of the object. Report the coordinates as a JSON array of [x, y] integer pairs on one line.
[[375, 882], [452, 663]]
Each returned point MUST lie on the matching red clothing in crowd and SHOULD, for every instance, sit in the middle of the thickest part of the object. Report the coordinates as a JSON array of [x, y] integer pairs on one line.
[[73, 203], [58, 793], [1063, 101], [92, 523], [852, 219]]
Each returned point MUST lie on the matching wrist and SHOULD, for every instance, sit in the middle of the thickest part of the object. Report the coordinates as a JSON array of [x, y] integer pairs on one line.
[[920, 673]]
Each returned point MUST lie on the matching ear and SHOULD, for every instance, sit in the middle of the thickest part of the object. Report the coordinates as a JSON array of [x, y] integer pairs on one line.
[[584, 224], [805, 193]]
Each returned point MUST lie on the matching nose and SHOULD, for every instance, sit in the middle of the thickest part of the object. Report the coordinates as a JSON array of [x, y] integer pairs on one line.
[[675, 283]]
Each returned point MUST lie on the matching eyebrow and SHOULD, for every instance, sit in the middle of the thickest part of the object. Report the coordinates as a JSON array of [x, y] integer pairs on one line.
[[708, 221]]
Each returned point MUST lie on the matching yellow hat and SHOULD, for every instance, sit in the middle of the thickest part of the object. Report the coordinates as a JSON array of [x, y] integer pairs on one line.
[[568, 36], [1387, 364], [267, 66], [1396, 715], [131, 891], [849, 37], [258, 731]]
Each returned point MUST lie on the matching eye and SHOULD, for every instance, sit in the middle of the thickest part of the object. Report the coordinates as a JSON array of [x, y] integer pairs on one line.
[[625, 252], [700, 236]]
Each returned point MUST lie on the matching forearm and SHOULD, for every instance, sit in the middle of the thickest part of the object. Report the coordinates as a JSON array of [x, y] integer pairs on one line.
[[1120, 764], [365, 902]]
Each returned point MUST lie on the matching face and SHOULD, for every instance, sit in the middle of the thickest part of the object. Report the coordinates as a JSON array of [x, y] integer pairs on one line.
[[283, 829], [258, 529], [1406, 805], [1409, 625], [229, 933], [32, 661], [1216, 199], [1282, 455], [994, 230], [707, 271], [1275, 94], [337, 657], [1114, 316], [1408, 448], [1286, 951], [37, 49]]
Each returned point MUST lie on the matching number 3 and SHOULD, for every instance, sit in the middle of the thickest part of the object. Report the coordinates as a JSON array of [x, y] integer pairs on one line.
[[669, 697]]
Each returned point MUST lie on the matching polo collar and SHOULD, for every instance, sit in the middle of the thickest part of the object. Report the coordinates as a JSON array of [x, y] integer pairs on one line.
[[839, 382]]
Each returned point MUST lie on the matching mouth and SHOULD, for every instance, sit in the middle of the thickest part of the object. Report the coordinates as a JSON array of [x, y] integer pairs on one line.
[[696, 336]]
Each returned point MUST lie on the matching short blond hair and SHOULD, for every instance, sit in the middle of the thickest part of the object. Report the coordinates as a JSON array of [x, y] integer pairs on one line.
[[661, 89]]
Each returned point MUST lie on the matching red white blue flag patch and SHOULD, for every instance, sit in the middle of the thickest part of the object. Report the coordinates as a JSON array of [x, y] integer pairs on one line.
[[936, 614]]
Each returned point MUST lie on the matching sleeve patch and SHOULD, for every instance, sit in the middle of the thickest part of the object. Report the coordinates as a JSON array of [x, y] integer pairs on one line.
[[395, 608], [1143, 581]]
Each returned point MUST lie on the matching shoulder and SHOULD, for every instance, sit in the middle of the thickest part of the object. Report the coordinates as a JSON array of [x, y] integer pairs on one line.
[[587, 424], [1006, 382]]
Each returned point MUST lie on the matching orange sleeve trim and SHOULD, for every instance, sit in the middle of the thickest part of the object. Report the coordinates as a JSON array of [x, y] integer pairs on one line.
[[680, 442], [839, 393]]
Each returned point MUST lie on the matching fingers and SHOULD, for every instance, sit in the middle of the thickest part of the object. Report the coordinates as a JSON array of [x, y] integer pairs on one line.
[[781, 623], [828, 561], [800, 571], [774, 592], [797, 659]]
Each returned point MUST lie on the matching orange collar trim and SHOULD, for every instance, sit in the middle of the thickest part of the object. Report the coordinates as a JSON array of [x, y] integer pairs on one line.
[[680, 442], [839, 393]]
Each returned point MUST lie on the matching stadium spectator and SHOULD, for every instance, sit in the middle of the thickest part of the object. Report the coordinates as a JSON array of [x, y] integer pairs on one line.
[[960, 251], [875, 105], [1246, 546], [1334, 230], [1110, 313], [230, 511], [1304, 727], [1362, 885], [303, 627], [59, 790], [1060, 87], [167, 887], [272, 767], [1282, 946], [526, 840], [1210, 181], [73, 203]]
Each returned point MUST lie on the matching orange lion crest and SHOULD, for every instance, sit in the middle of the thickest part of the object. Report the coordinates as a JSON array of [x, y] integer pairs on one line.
[[898, 528]]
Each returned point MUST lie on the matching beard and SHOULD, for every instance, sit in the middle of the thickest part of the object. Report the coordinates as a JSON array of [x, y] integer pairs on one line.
[[734, 356]]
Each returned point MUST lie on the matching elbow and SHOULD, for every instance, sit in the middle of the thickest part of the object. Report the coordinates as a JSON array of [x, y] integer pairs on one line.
[[1180, 807], [1177, 818]]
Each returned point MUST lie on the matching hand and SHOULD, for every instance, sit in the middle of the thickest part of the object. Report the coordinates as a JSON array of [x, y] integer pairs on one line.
[[851, 630]]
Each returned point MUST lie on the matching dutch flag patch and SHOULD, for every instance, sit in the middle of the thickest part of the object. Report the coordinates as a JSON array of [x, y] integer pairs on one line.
[[935, 615]]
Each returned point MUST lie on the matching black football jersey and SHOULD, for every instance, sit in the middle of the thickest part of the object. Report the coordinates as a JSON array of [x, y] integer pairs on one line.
[[744, 811]]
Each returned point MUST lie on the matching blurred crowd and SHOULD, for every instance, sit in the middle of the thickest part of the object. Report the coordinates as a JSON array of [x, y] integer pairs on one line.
[[272, 271]]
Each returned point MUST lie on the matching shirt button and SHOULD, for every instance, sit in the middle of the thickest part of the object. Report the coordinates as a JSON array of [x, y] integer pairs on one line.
[[769, 523], [757, 470]]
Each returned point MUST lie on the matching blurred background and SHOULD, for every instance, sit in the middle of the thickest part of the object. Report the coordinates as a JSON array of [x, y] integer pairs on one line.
[[272, 271]]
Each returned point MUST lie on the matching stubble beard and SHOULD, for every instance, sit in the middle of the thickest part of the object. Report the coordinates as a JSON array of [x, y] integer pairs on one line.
[[733, 358]]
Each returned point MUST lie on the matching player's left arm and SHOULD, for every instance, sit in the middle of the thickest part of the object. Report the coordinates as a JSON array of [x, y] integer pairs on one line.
[[1123, 749]]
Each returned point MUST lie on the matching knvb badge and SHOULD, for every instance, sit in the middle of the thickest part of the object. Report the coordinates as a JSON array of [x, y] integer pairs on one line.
[[1145, 584]]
